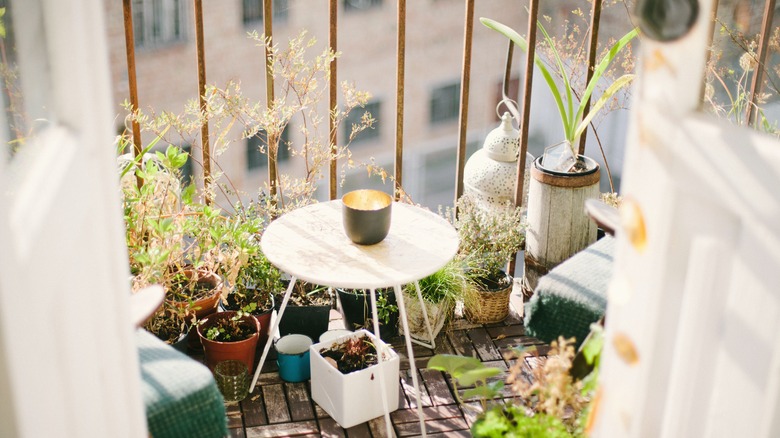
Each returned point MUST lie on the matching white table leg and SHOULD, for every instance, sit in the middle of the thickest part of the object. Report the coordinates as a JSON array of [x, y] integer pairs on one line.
[[271, 331], [410, 352], [431, 340], [379, 354]]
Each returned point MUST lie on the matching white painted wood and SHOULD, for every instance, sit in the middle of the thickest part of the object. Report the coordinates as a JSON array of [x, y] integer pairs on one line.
[[558, 227], [700, 302], [311, 244], [68, 361]]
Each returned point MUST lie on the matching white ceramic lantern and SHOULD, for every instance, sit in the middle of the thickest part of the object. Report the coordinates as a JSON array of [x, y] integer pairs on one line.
[[490, 174]]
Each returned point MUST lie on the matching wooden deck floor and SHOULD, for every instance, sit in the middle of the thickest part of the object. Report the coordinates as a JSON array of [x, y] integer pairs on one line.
[[276, 408]]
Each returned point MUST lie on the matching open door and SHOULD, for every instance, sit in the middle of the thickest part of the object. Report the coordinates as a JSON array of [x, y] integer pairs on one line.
[[68, 361], [692, 345]]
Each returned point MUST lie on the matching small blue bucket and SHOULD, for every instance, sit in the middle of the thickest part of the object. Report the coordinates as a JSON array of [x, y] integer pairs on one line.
[[293, 358]]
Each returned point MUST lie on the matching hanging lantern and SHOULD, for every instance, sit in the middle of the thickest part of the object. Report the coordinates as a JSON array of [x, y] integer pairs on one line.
[[490, 174]]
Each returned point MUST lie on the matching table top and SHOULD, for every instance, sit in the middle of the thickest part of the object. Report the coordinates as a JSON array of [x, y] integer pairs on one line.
[[310, 244]]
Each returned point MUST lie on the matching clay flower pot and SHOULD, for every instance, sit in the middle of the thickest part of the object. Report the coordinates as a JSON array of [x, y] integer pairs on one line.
[[216, 351]]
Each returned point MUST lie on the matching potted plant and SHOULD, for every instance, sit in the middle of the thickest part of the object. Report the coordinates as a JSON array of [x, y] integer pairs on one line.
[[440, 291], [356, 310], [253, 292], [488, 240], [308, 310], [346, 377], [561, 180], [229, 336]]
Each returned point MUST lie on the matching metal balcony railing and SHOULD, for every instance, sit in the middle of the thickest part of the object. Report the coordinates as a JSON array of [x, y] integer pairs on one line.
[[524, 109]]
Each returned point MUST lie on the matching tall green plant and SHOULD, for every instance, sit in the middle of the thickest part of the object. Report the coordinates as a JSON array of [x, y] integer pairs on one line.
[[570, 108]]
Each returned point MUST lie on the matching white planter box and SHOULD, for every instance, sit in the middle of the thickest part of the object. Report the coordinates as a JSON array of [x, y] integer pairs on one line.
[[354, 398]]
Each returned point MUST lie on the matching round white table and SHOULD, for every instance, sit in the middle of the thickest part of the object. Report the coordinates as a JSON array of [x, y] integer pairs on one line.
[[310, 244]]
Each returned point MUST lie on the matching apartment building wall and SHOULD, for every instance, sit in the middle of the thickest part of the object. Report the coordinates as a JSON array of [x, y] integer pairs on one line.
[[167, 77]]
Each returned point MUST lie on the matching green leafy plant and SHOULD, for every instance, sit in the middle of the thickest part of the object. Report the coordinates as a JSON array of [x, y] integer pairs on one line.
[[733, 83], [445, 285], [488, 239], [467, 371], [353, 354], [231, 329], [571, 107], [556, 402]]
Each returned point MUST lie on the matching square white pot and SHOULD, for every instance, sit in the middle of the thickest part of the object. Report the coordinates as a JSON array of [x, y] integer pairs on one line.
[[354, 398]]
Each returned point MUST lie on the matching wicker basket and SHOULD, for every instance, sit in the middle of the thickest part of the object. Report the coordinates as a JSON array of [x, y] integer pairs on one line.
[[483, 307]]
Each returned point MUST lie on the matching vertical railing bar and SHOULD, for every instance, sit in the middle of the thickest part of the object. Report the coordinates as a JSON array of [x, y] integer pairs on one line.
[[465, 81], [130, 49], [399, 123], [533, 13], [204, 129], [333, 100], [508, 70], [595, 20], [269, 96], [758, 72]]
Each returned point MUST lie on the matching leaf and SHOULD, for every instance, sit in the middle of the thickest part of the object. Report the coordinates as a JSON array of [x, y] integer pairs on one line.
[[601, 67], [523, 44], [454, 364], [608, 93], [485, 391], [593, 344], [471, 377]]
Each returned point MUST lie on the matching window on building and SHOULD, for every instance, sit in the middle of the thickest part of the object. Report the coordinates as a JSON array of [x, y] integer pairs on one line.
[[256, 159], [355, 117], [445, 103], [253, 11], [159, 22], [359, 5]]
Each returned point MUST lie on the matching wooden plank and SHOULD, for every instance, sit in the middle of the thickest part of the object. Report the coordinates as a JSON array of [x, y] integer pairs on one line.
[[234, 418], [461, 343], [483, 344], [299, 402], [377, 426], [462, 324], [429, 413], [433, 426], [359, 431], [268, 378], [319, 412], [471, 410], [508, 331], [330, 429], [275, 404], [452, 433], [443, 345], [254, 409], [283, 429], [437, 386], [408, 386], [238, 432]]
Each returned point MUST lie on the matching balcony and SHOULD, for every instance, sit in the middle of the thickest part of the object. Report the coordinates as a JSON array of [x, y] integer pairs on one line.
[[209, 162]]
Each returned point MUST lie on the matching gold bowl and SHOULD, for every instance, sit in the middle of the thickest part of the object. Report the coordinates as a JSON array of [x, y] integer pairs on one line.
[[366, 215]]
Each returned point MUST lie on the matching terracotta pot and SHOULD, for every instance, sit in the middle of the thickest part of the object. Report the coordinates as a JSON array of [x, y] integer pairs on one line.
[[208, 305], [215, 351], [263, 317]]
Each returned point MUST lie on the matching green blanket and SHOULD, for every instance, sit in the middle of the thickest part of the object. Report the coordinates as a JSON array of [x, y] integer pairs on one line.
[[572, 295], [180, 395]]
